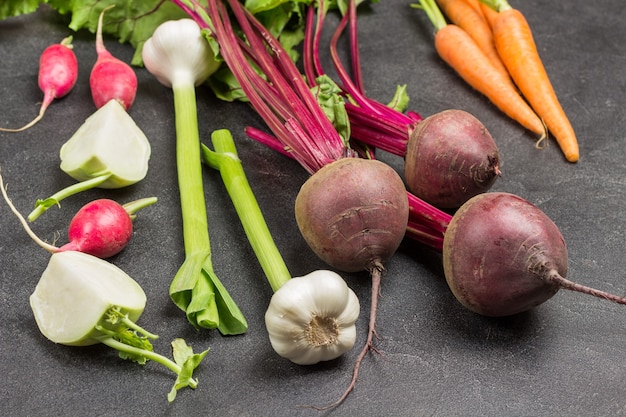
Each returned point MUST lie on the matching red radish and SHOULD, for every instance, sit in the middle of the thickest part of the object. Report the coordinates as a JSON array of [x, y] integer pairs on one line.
[[101, 228], [502, 255], [111, 78], [58, 71], [450, 157]]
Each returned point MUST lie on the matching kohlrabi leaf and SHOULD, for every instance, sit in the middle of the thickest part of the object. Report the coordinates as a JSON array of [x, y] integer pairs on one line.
[[188, 361], [108, 143], [130, 21]]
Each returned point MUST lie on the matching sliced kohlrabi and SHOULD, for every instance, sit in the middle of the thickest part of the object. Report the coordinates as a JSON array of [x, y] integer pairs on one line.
[[74, 294], [82, 300], [108, 142], [109, 150]]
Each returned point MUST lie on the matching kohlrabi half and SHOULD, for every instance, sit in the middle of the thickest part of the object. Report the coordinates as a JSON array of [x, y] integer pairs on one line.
[[109, 150], [82, 300]]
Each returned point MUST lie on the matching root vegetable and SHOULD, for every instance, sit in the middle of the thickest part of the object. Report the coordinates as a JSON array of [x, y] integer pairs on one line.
[[441, 165], [82, 300], [111, 78], [502, 255], [58, 72], [353, 213], [309, 318], [444, 168], [109, 150], [101, 228]]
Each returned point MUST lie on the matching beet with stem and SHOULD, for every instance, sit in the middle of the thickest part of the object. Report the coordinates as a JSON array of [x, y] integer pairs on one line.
[[502, 255]]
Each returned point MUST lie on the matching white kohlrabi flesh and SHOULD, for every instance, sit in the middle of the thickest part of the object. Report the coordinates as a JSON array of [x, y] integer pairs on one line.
[[74, 293], [108, 142]]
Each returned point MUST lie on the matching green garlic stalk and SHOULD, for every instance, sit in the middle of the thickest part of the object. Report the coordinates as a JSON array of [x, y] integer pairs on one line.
[[195, 288]]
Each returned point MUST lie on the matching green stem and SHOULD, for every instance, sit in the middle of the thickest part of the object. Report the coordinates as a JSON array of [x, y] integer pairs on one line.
[[42, 205], [137, 328], [433, 12], [134, 206], [189, 170], [119, 346], [498, 5], [226, 160], [196, 288]]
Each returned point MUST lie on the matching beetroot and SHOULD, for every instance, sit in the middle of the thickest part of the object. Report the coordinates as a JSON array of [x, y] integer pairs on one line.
[[502, 255], [353, 213], [450, 157]]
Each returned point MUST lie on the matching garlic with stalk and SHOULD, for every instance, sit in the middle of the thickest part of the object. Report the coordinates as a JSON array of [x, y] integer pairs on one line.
[[181, 58], [312, 318]]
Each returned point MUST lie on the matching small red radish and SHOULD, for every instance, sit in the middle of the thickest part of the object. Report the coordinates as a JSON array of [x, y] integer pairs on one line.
[[58, 71], [450, 158], [502, 255], [111, 78], [101, 228]]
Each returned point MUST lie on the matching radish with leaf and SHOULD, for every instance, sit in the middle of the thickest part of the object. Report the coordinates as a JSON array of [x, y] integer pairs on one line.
[[101, 228], [108, 151], [100, 303]]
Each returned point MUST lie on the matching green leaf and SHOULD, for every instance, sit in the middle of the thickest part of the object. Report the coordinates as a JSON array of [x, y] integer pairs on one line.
[[328, 95], [188, 361], [197, 291], [400, 100], [131, 21], [10, 8]]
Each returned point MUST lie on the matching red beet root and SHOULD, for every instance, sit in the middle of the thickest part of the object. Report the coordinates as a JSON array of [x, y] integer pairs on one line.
[[450, 157], [502, 255]]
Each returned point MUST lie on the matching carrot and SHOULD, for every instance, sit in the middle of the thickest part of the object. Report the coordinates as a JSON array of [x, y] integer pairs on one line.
[[489, 13], [464, 15], [475, 5], [517, 48], [460, 51]]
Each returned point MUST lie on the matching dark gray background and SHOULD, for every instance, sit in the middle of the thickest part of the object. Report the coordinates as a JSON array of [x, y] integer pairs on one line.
[[566, 357]]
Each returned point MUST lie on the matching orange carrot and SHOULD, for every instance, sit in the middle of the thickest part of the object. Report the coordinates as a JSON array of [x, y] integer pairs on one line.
[[517, 48], [475, 4], [464, 15], [489, 13], [460, 51]]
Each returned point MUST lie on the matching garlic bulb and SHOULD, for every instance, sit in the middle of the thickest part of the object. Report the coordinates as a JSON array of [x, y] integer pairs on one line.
[[312, 318], [178, 53]]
